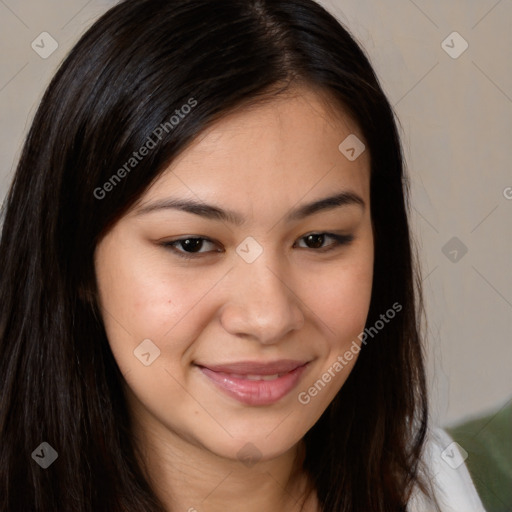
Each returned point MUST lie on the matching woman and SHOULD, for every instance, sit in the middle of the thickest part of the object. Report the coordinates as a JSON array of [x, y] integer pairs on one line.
[[208, 287]]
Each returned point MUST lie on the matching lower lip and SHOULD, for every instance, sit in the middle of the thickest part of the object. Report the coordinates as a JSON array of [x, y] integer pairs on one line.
[[255, 392]]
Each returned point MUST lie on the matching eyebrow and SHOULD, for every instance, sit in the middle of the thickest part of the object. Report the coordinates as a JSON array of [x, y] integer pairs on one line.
[[209, 211]]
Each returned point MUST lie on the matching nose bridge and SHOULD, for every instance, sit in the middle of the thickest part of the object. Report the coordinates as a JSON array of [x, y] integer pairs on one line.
[[263, 304]]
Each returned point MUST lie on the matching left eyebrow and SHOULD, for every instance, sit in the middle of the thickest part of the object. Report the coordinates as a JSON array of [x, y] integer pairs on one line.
[[209, 211]]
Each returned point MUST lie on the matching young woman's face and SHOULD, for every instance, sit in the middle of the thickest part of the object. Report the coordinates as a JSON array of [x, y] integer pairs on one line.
[[234, 288]]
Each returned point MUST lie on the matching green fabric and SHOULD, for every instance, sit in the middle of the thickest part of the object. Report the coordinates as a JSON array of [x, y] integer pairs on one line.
[[488, 441]]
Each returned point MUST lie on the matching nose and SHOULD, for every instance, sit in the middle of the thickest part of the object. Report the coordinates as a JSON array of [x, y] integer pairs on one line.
[[262, 303]]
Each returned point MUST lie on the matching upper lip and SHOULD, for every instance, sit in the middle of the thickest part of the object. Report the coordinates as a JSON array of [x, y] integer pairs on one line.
[[255, 367]]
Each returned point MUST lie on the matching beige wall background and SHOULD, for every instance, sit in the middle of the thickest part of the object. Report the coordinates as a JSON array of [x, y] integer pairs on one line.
[[455, 108]]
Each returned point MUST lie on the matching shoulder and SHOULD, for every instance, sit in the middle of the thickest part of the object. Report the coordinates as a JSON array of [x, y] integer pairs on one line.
[[488, 440], [443, 462]]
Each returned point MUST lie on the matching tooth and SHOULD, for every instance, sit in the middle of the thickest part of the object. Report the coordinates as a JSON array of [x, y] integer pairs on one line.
[[261, 377], [236, 375]]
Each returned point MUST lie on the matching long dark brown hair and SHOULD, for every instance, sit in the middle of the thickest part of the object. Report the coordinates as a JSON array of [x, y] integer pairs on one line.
[[59, 381]]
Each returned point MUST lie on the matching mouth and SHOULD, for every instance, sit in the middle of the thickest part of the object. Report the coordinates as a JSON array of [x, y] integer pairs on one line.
[[255, 383]]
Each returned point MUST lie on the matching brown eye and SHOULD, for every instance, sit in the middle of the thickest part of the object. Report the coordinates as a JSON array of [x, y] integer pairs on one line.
[[190, 247], [314, 241], [317, 241], [191, 244]]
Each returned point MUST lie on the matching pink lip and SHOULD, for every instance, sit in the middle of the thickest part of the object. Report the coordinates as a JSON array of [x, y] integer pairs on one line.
[[230, 379], [256, 368]]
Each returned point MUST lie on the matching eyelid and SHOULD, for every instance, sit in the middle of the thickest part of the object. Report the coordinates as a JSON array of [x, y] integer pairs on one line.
[[339, 241]]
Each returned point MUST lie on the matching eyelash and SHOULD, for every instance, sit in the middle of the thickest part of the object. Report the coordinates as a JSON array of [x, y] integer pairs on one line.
[[339, 240]]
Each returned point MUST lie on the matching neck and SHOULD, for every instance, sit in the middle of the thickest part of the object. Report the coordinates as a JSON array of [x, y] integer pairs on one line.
[[187, 477]]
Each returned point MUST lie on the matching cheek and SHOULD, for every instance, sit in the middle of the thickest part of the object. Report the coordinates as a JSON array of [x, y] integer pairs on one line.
[[142, 298], [341, 299], [137, 293], [346, 307], [344, 295]]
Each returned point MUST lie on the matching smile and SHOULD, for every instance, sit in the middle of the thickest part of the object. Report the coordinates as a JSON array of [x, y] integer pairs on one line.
[[256, 383]]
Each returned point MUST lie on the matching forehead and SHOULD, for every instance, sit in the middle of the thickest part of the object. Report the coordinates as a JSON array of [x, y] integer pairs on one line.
[[281, 151]]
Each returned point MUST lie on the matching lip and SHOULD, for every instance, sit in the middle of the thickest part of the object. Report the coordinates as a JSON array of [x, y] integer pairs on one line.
[[232, 379], [256, 367]]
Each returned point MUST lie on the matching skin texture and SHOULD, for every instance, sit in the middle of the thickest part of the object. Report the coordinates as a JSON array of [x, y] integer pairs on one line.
[[292, 302]]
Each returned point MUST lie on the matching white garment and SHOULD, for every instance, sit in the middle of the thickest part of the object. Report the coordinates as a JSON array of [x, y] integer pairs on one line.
[[452, 482]]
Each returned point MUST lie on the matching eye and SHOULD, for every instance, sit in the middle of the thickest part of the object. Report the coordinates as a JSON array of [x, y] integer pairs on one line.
[[189, 246], [316, 241], [193, 247]]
